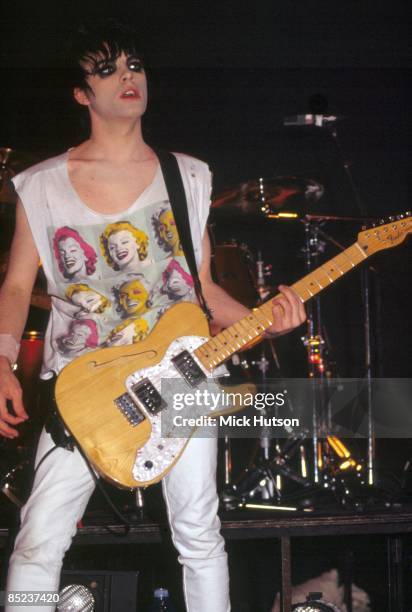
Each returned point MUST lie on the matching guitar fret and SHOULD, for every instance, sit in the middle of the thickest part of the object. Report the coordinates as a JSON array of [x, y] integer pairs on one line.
[[242, 329], [327, 274], [235, 342], [300, 289], [260, 316], [249, 327], [361, 250], [323, 278]]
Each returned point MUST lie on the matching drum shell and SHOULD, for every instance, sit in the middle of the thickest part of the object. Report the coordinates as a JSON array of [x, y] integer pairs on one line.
[[232, 268]]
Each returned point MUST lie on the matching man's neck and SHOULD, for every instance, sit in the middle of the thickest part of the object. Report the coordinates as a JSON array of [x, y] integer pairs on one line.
[[118, 142]]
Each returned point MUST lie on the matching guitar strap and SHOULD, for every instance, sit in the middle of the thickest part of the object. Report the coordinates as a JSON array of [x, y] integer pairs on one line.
[[178, 203]]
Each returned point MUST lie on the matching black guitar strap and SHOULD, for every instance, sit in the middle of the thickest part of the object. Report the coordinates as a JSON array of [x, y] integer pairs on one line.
[[178, 203]]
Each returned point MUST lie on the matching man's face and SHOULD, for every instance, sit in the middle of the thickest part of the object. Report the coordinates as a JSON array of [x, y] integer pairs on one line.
[[118, 87], [122, 247]]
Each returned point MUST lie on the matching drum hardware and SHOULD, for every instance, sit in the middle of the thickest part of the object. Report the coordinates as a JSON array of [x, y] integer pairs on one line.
[[332, 459], [9, 486], [264, 479], [314, 354], [334, 467], [280, 197], [261, 485], [287, 198]]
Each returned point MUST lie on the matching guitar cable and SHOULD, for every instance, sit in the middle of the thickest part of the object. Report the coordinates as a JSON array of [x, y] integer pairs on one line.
[[125, 522], [55, 427]]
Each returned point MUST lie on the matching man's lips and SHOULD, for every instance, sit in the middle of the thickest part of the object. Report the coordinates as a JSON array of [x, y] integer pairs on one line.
[[131, 93]]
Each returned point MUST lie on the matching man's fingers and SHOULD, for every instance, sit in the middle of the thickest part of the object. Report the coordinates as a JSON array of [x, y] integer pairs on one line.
[[18, 406], [7, 432], [298, 309], [288, 310], [7, 417]]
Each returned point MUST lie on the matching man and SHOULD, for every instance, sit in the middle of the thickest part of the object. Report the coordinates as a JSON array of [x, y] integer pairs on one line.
[[113, 176]]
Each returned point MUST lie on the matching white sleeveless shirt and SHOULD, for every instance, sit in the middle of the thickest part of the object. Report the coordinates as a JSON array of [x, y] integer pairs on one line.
[[110, 277]]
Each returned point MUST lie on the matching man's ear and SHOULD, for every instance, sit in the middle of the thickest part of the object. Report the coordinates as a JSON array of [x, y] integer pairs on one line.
[[81, 96]]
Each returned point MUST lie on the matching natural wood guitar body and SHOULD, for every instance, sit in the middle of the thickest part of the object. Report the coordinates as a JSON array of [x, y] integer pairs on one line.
[[87, 387]]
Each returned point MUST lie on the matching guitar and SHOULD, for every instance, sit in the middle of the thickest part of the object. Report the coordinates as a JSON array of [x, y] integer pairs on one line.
[[110, 399]]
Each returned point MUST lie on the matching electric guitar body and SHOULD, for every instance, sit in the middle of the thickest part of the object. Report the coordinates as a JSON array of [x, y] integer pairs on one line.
[[110, 400]]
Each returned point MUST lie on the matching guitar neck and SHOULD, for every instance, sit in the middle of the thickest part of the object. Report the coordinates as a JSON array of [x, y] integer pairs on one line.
[[219, 348]]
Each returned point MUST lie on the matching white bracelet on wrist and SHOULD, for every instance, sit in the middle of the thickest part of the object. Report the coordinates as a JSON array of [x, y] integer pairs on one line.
[[9, 347]]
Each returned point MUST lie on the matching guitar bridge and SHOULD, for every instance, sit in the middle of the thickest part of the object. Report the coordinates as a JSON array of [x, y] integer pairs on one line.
[[188, 368], [128, 408]]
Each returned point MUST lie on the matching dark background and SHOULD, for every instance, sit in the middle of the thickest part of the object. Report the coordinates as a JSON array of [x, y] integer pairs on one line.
[[222, 77]]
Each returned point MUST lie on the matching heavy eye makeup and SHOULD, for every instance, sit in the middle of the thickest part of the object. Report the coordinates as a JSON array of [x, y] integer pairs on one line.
[[106, 68], [135, 64]]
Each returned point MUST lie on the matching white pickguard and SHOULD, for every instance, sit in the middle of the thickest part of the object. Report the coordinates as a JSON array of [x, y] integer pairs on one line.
[[159, 452]]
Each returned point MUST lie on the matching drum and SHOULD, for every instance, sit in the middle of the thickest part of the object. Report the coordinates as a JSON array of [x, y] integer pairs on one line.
[[233, 270]]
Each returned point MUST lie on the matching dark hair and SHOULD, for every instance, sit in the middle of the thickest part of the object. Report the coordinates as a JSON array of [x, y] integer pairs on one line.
[[107, 38]]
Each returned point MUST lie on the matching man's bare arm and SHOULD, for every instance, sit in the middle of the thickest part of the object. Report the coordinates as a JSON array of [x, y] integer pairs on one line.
[[15, 295], [288, 310]]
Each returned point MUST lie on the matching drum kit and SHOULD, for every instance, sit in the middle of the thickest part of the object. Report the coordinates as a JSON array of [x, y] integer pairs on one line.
[[297, 466], [242, 272]]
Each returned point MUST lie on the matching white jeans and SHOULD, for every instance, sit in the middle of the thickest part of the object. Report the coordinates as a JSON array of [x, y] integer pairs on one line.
[[62, 488]]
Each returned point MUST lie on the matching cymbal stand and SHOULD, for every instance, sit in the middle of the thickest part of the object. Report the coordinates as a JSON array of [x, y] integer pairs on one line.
[[326, 447], [263, 480], [315, 344]]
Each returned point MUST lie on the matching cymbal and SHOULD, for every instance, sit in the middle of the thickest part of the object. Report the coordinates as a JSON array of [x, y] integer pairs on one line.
[[262, 196]]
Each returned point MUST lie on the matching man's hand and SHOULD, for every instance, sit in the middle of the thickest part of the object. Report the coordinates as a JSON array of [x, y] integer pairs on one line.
[[10, 389], [288, 312]]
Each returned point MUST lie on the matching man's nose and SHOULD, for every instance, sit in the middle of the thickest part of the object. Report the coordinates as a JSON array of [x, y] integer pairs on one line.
[[126, 74]]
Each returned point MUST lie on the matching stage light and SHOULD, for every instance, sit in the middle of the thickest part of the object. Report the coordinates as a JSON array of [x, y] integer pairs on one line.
[[75, 598]]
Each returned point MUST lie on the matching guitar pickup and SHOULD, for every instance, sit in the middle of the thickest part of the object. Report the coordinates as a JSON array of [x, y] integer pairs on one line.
[[148, 396], [188, 368]]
